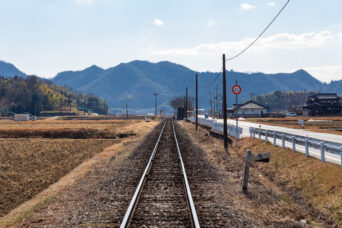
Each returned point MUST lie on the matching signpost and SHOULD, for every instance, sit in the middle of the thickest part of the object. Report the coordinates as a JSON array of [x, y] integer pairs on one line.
[[264, 157], [237, 90]]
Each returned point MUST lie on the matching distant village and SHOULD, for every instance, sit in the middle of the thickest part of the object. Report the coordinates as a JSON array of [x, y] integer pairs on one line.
[[319, 104]]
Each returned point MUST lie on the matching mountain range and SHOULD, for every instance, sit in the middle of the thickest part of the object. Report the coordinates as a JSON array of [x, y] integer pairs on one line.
[[136, 82], [9, 70]]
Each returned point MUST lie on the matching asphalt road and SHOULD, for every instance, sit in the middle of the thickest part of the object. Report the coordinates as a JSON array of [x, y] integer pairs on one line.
[[330, 157]]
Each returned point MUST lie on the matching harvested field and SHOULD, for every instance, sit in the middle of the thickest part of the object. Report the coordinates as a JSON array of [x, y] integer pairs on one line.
[[331, 125], [27, 166], [34, 155], [68, 124], [81, 133]]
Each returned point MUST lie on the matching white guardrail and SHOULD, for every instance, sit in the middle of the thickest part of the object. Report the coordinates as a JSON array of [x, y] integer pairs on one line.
[[321, 149], [308, 142], [217, 126]]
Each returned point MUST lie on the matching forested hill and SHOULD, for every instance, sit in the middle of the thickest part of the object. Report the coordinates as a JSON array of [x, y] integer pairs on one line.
[[282, 101], [32, 94]]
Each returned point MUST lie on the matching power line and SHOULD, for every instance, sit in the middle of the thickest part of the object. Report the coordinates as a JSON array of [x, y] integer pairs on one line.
[[211, 83], [255, 40]]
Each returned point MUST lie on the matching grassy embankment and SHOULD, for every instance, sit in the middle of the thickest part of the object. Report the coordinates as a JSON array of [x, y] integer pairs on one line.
[[320, 183]]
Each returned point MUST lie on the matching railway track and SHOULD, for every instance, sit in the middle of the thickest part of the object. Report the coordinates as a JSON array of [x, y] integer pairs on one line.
[[163, 197]]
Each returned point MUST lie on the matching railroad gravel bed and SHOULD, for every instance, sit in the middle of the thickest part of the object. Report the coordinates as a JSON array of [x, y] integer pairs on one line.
[[211, 211], [101, 199], [163, 200]]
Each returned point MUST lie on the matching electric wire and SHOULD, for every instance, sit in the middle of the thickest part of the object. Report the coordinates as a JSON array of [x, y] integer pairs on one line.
[[262, 33], [212, 82]]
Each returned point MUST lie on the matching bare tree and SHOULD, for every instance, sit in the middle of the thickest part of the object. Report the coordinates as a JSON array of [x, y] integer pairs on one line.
[[179, 102]]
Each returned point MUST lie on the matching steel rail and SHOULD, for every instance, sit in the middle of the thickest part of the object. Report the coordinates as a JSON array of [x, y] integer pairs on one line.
[[194, 217], [132, 204]]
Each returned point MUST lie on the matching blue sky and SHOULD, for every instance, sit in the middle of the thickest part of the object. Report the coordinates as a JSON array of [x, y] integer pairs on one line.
[[45, 37]]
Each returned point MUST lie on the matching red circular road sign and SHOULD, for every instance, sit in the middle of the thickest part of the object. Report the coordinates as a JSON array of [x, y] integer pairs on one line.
[[236, 89]]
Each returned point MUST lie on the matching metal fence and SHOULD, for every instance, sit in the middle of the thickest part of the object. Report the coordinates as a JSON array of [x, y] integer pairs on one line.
[[217, 126], [308, 142]]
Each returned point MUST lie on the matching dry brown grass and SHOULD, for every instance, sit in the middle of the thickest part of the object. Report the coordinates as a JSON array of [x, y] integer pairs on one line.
[[30, 165], [71, 124], [320, 183], [303, 188]]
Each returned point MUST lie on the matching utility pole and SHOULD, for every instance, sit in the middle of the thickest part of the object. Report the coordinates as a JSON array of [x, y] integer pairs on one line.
[[211, 103], [126, 111], [225, 105], [196, 102], [155, 104], [186, 104], [216, 103]]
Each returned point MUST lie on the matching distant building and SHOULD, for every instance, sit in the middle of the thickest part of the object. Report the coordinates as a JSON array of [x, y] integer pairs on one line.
[[249, 109], [322, 104], [22, 117], [180, 113]]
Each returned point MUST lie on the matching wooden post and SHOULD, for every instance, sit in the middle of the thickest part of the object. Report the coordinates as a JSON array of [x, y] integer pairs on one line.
[[224, 100]]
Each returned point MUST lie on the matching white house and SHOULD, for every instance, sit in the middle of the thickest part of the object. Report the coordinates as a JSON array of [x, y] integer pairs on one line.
[[22, 117], [249, 109]]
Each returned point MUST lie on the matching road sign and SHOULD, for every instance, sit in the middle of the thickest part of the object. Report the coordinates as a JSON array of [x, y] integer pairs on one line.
[[236, 89]]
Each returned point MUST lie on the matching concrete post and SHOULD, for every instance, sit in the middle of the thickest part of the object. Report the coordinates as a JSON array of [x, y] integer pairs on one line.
[[307, 147], [259, 133], [283, 140], [341, 155], [293, 144], [274, 139], [266, 136], [322, 153], [253, 133], [246, 171]]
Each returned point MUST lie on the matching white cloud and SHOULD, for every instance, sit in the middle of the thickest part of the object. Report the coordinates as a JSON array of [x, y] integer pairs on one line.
[[278, 41], [158, 22], [271, 4], [326, 73], [339, 35], [85, 1], [211, 23], [246, 6]]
